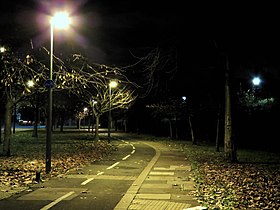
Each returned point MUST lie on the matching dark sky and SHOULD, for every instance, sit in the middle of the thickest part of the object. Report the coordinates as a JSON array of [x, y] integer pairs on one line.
[[107, 30], [246, 31]]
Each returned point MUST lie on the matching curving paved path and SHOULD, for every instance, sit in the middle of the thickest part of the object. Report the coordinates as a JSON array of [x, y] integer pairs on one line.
[[139, 175]]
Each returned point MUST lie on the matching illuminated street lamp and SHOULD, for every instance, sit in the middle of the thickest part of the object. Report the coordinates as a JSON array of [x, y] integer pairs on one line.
[[60, 20], [30, 83], [256, 81], [2, 49], [112, 84]]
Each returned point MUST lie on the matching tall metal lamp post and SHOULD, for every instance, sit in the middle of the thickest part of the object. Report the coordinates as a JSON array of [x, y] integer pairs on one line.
[[112, 84], [85, 114], [60, 20]]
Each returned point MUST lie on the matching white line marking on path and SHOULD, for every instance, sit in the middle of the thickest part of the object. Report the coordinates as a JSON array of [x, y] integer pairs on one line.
[[57, 201], [124, 141], [87, 181], [100, 173], [90, 179], [126, 157], [112, 166]]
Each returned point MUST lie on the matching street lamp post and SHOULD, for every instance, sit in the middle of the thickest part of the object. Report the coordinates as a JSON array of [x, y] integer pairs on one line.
[[85, 114], [59, 20], [112, 84]]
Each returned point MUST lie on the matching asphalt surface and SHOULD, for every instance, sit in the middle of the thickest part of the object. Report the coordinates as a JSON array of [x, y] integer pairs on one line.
[[139, 175]]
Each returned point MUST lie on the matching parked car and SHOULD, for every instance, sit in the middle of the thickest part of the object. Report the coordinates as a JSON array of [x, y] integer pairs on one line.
[[28, 122], [25, 122]]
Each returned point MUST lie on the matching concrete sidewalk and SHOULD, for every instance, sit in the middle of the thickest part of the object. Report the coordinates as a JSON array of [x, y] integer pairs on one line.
[[165, 184]]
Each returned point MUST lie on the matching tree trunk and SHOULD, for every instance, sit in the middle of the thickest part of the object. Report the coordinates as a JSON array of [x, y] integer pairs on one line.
[[218, 130], [191, 129], [0, 130], [7, 127], [176, 128], [170, 128], [125, 126], [79, 123], [36, 121], [96, 137], [62, 121], [229, 147], [92, 128], [14, 117], [35, 128], [89, 122]]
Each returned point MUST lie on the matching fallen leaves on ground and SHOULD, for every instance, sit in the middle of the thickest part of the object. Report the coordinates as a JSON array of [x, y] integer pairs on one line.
[[20, 169], [240, 186], [244, 185]]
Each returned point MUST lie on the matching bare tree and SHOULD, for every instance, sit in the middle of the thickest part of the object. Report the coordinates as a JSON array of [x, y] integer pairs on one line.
[[77, 76], [95, 92], [15, 73], [153, 68], [18, 69]]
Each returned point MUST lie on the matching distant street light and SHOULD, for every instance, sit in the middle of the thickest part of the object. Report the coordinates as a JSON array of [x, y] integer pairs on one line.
[[112, 84], [256, 81], [2, 49], [30, 83], [60, 20]]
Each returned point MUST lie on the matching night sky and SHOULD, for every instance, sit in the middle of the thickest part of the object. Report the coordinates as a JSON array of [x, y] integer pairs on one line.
[[202, 33]]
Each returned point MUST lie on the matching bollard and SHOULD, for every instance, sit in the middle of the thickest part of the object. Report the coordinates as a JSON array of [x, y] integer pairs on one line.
[[38, 174]]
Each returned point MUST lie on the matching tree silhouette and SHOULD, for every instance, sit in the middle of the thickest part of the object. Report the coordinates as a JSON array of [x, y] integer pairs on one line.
[[96, 94]]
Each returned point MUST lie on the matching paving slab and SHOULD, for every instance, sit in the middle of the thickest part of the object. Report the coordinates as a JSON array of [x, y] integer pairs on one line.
[[153, 196], [161, 173], [149, 181], [158, 205], [163, 169], [156, 186]]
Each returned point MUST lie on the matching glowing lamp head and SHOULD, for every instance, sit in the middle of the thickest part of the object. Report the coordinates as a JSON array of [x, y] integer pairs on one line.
[[2, 49], [113, 84], [256, 81], [30, 83], [61, 20]]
